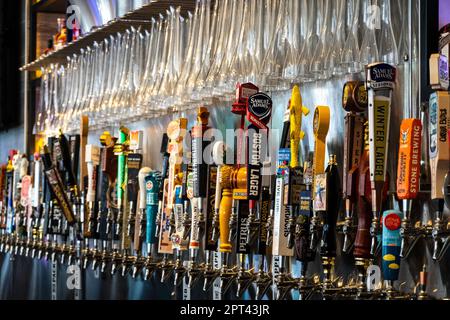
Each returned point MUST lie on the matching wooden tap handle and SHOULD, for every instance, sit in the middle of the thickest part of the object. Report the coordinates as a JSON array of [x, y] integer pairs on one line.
[[224, 219]]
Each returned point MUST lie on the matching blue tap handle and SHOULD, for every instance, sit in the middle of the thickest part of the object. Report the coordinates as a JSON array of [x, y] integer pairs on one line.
[[152, 186], [391, 242]]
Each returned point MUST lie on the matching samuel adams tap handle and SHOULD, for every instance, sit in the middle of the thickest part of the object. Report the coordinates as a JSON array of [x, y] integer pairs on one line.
[[380, 80]]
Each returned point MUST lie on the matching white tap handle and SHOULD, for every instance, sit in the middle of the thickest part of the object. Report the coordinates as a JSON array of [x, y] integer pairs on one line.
[[37, 182], [23, 167], [92, 156], [143, 173]]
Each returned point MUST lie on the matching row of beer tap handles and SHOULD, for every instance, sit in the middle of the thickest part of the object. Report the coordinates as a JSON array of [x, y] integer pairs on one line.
[[200, 218]]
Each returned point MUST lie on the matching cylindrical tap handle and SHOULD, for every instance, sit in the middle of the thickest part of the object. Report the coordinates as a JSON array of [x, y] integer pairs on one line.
[[328, 244], [392, 220], [143, 173], [152, 186], [224, 218], [92, 155]]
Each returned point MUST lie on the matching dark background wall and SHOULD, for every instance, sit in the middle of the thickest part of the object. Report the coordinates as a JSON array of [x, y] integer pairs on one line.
[[11, 55]]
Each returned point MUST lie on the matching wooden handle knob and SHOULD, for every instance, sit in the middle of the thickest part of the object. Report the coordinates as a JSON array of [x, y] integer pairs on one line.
[[363, 239], [224, 219]]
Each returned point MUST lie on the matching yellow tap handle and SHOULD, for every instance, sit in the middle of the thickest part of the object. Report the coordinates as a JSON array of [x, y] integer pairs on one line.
[[320, 126], [225, 208], [297, 110], [224, 218]]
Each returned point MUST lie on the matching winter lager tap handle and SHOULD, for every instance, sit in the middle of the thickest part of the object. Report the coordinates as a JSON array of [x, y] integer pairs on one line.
[[392, 220], [380, 80]]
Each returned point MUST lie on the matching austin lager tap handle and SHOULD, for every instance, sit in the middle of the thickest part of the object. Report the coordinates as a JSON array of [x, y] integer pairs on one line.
[[380, 80], [391, 245]]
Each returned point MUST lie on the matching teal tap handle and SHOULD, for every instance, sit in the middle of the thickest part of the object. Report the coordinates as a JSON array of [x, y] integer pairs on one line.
[[391, 241], [152, 186]]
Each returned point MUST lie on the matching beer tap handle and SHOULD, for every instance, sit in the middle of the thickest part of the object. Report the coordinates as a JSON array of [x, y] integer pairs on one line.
[[143, 174], [218, 155], [297, 110], [354, 101], [225, 209], [92, 155], [439, 151], [56, 185], [333, 194], [391, 241], [380, 81], [408, 175]]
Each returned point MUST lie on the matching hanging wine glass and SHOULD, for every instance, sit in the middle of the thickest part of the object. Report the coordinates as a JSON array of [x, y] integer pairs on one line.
[[333, 64], [350, 54], [388, 47], [318, 61], [295, 30], [369, 49], [314, 19]]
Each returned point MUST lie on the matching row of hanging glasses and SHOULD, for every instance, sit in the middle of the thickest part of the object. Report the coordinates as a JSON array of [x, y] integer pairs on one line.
[[176, 62]]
